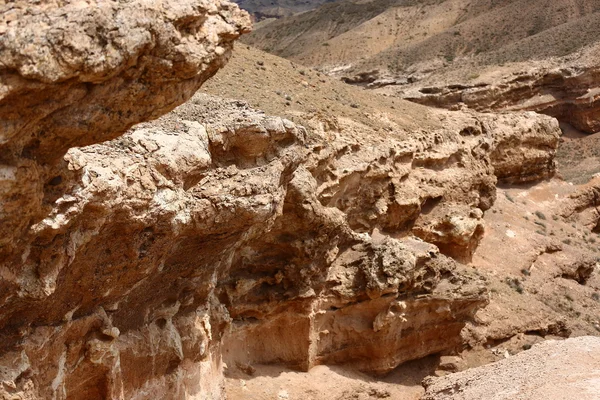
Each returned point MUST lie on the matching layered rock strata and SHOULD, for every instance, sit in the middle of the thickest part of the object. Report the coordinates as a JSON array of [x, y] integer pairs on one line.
[[585, 205], [218, 220], [76, 73], [72, 74], [350, 263], [133, 267], [570, 94]]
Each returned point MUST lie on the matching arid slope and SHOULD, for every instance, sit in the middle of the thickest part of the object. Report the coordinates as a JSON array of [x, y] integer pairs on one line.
[[261, 9], [393, 36]]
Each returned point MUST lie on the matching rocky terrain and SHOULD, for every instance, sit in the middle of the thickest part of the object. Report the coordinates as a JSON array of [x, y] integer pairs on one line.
[[514, 378], [84, 313], [537, 239], [278, 234], [397, 37], [565, 88]]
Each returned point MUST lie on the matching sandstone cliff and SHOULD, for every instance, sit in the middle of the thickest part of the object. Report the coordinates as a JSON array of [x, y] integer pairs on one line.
[[134, 264], [567, 93], [219, 222], [75, 73]]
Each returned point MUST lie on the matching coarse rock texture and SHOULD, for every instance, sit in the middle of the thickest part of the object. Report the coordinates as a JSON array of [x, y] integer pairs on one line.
[[217, 231], [225, 216], [563, 87], [585, 203], [75, 73], [540, 268], [551, 370], [137, 268]]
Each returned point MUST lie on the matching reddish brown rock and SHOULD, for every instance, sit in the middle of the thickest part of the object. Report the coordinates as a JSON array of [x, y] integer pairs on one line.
[[132, 267]]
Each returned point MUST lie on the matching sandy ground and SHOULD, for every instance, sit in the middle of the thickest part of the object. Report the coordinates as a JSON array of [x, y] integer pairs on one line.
[[328, 383]]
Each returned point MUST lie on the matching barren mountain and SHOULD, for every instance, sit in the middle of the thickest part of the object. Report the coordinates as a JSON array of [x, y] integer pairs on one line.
[[393, 36], [488, 56]]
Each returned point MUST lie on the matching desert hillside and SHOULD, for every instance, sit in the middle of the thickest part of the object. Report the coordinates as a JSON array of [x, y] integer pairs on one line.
[[392, 36], [488, 56], [262, 9]]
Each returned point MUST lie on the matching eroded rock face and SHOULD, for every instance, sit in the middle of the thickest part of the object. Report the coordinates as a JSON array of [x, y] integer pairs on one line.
[[338, 265], [132, 268], [216, 229], [133, 252], [77, 73], [570, 94], [584, 204]]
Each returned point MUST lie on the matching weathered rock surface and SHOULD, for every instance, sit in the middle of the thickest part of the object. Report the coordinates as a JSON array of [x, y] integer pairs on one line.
[[585, 204], [551, 370], [218, 216], [76, 73], [132, 268], [570, 94]]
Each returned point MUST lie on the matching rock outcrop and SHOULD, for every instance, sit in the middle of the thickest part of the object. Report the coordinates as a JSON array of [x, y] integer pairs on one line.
[[134, 264], [585, 205], [217, 229], [570, 94], [76, 73], [71, 74], [550, 370]]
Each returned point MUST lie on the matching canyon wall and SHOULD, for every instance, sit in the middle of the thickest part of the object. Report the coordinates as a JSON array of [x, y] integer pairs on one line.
[[570, 94], [138, 263], [74, 73]]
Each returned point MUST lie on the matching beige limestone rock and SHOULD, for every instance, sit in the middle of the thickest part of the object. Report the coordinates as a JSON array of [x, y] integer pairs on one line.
[[213, 231], [74, 73]]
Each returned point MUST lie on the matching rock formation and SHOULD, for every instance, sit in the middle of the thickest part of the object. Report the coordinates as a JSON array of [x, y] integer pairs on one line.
[[134, 264], [551, 370], [72, 74], [569, 94], [585, 203], [216, 215]]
